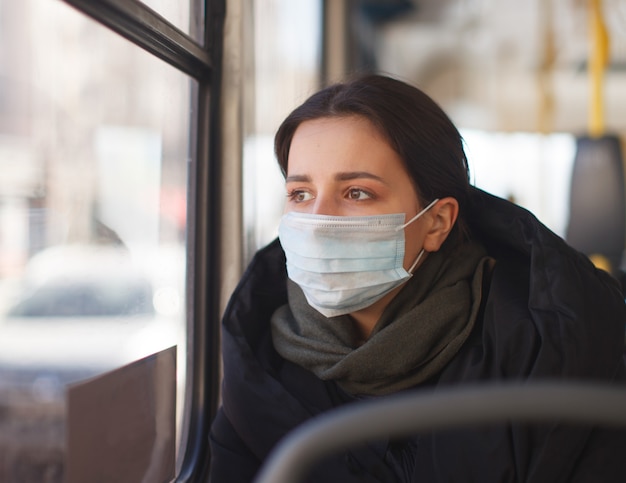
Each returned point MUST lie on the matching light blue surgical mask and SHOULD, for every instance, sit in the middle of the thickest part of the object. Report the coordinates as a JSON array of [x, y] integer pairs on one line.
[[345, 263]]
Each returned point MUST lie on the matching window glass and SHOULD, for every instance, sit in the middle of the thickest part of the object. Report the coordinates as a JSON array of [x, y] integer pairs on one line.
[[93, 154]]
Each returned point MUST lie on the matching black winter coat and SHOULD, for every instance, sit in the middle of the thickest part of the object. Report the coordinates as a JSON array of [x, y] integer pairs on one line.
[[549, 314]]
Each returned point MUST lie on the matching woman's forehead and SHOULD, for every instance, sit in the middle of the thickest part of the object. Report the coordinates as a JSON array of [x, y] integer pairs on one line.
[[351, 141]]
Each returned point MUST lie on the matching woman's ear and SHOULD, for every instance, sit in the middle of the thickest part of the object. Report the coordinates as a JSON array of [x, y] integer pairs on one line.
[[443, 215]]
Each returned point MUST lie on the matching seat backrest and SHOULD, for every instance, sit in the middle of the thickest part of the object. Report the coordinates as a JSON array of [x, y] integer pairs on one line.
[[597, 222]]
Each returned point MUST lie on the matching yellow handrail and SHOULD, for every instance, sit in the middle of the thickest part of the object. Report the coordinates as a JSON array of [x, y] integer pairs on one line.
[[598, 61]]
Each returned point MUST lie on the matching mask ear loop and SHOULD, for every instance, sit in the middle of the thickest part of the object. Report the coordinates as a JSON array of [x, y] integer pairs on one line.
[[402, 227], [416, 261], [432, 203]]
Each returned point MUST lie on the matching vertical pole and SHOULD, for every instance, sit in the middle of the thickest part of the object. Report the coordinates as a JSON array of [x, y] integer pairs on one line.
[[597, 62]]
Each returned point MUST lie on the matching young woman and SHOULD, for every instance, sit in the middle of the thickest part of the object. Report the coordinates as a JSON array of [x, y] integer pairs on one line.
[[392, 273]]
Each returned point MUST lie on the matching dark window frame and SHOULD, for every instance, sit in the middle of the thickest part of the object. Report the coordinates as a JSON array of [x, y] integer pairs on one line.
[[150, 31]]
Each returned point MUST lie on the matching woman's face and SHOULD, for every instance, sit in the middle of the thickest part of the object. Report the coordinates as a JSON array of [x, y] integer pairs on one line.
[[344, 167]]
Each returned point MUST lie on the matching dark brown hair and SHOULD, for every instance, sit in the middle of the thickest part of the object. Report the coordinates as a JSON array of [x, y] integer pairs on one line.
[[413, 124]]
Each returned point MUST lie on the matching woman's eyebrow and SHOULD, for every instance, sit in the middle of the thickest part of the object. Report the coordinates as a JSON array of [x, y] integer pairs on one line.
[[349, 175], [298, 178], [343, 176]]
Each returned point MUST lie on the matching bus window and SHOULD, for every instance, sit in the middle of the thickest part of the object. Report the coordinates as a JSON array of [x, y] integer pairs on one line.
[[96, 149]]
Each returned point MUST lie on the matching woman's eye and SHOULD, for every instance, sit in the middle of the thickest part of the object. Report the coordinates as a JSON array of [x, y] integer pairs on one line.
[[299, 196], [358, 194]]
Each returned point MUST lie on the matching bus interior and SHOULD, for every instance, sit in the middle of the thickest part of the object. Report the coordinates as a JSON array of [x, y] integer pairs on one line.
[[138, 179]]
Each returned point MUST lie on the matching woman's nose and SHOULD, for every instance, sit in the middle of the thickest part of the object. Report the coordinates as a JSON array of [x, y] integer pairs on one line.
[[325, 205]]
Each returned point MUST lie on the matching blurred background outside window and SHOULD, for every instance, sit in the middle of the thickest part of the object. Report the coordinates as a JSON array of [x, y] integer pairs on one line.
[[94, 153]]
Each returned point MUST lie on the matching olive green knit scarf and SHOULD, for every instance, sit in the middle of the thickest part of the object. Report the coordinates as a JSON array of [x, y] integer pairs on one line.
[[419, 332]]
